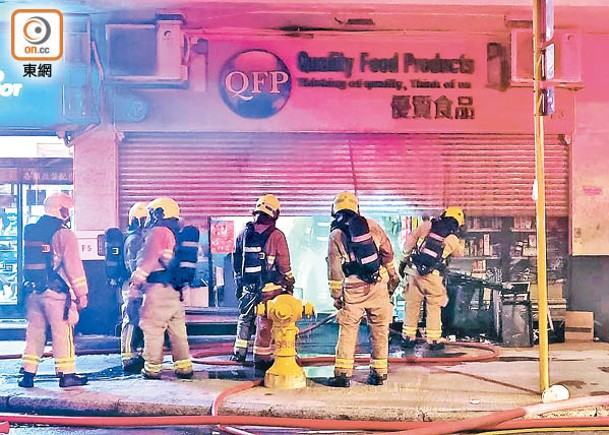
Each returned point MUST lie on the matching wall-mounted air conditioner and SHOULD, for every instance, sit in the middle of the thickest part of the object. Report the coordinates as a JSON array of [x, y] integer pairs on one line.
[[567, 58], [146, 53]]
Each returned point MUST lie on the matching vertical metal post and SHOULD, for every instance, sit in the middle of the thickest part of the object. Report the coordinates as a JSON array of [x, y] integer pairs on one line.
[[544, 381]]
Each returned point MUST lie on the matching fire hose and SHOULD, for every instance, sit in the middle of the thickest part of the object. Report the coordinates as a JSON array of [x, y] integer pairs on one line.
[[501, 420]]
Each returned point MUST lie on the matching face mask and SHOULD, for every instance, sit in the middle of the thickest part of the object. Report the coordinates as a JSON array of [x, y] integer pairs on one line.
[[65, 216]]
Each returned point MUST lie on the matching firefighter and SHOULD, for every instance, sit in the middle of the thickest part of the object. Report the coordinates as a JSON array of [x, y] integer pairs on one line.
[[161, 309], [54, 288], [362, 279], [132, 338], [439, 241], [262, 271]]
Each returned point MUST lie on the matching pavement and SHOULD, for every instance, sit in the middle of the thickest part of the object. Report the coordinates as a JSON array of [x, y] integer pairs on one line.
[[412, 392]]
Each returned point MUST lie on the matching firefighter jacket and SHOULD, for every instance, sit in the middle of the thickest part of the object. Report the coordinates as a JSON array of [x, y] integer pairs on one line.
[[452, 245], [156, 253], [67, 262], [278, 268], [337, 255]]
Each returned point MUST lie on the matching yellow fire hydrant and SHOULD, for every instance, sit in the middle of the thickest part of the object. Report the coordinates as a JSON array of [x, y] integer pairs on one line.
[[284, 311]]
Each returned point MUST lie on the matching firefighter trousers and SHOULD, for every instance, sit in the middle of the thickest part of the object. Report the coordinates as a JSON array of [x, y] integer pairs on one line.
[[132, 337], [263, 340], [431, 289], [162, 311], [48, 308], [245, 322], [373, 301]]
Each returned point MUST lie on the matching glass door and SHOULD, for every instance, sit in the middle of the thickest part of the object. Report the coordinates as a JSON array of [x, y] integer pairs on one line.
[[9, 243], [20, 204]]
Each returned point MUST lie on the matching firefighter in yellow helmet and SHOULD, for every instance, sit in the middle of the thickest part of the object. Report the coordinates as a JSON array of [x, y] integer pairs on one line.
[[440, 240], [132, 337], [55, 288], [261, 263], [362, 278], [162, 311]]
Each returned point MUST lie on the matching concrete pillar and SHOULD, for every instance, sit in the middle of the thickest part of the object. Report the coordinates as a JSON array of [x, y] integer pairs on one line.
[[96, 196], [96, 179]]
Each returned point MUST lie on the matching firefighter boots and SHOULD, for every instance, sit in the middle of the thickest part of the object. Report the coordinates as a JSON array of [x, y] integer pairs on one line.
[[134, 365], [238, 358], [27, 380], [150, 375], [435, 345], [72, 380], [407, 344], [185, 375], [376, 379], [340, 380]]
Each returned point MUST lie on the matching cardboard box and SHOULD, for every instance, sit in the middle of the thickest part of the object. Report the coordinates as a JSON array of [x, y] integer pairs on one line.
[[579, 326], [554, 291]]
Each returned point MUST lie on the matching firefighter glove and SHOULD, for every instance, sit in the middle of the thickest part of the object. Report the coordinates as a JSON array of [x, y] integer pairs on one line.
[[392, 284], [82, 302], [288, 284], [339, 303], [134, 291], [404, 263]]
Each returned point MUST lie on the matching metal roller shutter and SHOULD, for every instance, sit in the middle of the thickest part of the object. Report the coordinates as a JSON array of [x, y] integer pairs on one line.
[[486, 174], [222, 174]]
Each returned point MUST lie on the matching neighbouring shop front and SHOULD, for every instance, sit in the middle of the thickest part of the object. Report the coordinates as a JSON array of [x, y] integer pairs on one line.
[[43, 103], [24, 185]]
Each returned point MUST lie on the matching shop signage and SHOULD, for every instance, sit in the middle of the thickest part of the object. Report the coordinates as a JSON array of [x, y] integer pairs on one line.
[[46, 175], [37, 175], [255, 84], [222, 238], [436, 87], [8, 89]]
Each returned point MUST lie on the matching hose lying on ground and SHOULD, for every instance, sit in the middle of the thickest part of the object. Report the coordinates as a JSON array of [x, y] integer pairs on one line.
[[499, 420], [496, 418]]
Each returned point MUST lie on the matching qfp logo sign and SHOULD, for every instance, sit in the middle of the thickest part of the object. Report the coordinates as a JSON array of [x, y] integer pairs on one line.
[[255, 84], [37, 34]]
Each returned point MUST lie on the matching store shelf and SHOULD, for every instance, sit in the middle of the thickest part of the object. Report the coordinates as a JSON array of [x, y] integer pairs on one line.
[[500, 236]]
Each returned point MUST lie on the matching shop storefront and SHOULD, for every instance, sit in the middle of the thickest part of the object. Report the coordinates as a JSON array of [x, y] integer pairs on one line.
[[411, 128], [43, 104], [395, 175], [24, 184]]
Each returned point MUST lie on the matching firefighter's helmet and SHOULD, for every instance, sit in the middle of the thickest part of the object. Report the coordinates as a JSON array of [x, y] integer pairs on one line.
[[269, 205], [163, 208], [139, 212], [456, 213], [345, 201], [59, 205]]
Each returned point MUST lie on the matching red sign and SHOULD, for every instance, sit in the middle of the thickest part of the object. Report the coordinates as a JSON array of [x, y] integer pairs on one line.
[[222, 237]]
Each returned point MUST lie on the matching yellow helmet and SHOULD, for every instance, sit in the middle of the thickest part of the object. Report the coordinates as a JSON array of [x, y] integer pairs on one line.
[[269, 205], [138, 211], [456, 213], [59, 205], [345, 201], [164, 208]]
